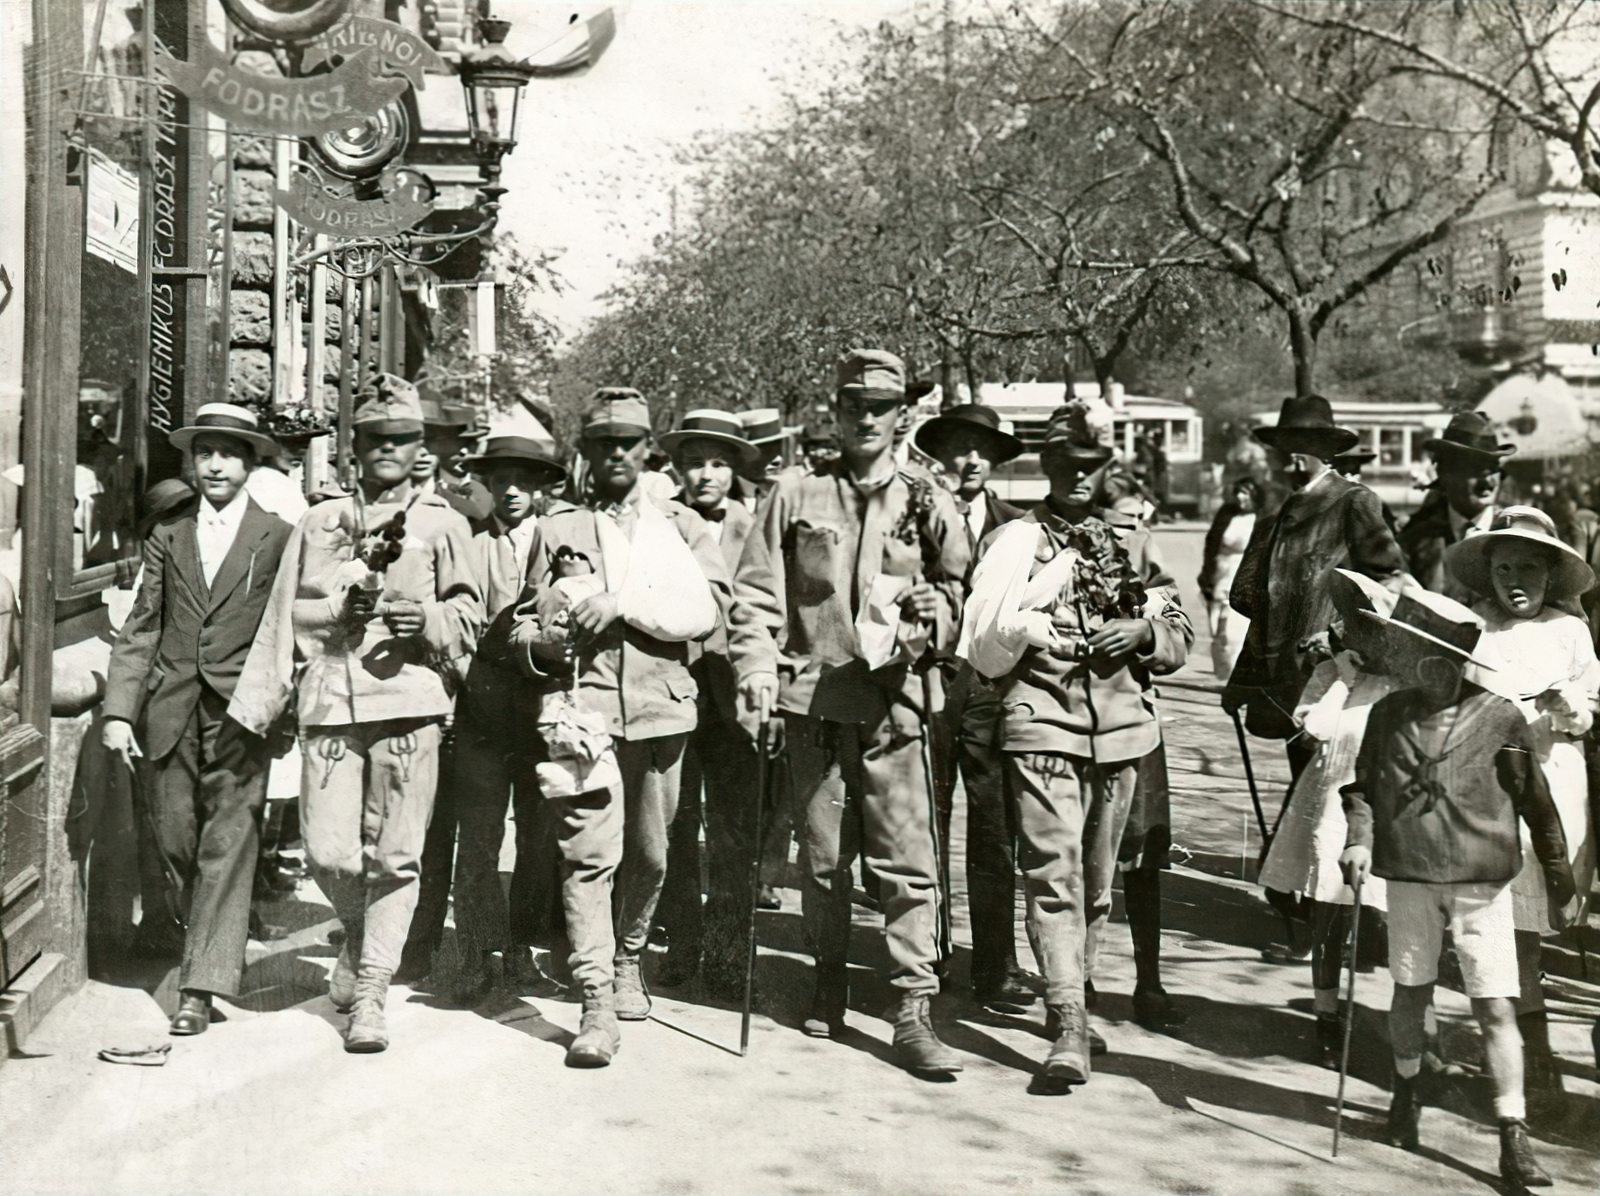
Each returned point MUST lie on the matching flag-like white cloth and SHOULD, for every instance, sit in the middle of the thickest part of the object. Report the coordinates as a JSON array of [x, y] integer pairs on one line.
[[1006, 613]]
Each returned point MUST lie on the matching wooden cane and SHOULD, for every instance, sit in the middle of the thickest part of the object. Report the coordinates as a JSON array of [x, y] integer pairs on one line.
[[1349, 1011], [763, 740]]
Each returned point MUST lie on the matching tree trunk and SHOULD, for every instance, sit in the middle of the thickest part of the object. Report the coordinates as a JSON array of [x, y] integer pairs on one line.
[[1303, 347]]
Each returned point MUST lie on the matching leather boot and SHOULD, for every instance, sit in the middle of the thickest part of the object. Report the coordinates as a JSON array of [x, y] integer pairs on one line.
[[598, 1038], [632, 997], [1330, 1040], [1405, 1113], [1067, 1027], [1518, 1167], [829, 1000], [342, 980], [1542, 1082], [369, 1032], [915, 1044]]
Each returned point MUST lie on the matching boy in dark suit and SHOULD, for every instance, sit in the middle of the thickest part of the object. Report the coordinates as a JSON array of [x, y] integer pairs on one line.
[[207, 576]]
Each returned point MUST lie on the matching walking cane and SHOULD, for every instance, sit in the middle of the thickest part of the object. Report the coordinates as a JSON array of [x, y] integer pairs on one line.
[[1349, 1011], [1250, 777], [173, 891], [763, 739], [941, 850]]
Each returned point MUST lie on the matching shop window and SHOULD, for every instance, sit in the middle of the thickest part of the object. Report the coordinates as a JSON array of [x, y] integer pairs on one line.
[[1392, 448]]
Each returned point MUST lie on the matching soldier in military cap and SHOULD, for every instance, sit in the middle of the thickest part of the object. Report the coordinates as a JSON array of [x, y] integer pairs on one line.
[[372, 619], [447, 439], [635, 677], [855, 574]]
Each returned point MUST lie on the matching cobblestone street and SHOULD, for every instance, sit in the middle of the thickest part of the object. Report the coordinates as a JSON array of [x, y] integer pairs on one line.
[[479, 1101]]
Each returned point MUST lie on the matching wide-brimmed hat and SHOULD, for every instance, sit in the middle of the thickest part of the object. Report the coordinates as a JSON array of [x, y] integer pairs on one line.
[[1468, 560], [1353, 593], [1354, 459], [227, 419], [870, 374], [1305, 425], [388, 405], [762, 425], [1083, 429], [1422, 618], [616, 411], [970, 419], [723, 427], [167, 497], [436, 413], [539, 454], [1469, 437]]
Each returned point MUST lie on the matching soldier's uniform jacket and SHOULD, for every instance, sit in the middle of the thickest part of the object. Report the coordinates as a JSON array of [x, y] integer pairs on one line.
[[1062, 700], [820, 540], [369, 676], [469, 497], [640, 684]]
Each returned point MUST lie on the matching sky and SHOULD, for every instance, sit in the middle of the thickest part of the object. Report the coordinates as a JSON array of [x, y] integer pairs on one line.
[[593, 171]]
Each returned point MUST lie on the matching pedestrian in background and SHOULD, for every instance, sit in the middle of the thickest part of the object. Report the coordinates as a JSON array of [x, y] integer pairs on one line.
[[1226, 539]]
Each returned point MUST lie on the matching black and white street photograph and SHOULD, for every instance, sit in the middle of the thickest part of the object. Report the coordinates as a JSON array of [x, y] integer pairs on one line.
[[799, 597]]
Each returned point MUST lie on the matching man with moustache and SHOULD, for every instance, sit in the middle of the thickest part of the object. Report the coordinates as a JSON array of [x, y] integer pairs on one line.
[[708, 448], [1283, 586], [207, 576], [854, 577], [371, 624], [639, 684], [1461, 501], [969, 442]]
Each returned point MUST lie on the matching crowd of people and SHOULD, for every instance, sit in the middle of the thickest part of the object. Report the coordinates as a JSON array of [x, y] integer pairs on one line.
[[618, 655]]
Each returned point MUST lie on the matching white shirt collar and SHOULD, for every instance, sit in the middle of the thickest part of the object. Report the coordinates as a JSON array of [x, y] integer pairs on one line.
[[977, 511], [231, 515]]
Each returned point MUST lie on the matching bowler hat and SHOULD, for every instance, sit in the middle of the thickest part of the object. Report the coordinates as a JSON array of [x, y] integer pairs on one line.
[[721, 427], [870, 374], [1468, 559], [616, 411], [1354, 459], [1082, 429], [1305, 425], [388, 405], [539, 454], [227, 419], [1469, 438], [969, 419]]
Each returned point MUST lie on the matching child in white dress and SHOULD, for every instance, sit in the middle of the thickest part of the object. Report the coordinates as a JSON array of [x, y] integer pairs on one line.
[[1543, 660], [1304, 856]]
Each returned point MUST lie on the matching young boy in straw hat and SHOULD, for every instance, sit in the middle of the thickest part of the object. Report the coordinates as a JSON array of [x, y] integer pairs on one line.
[[1543, 659], [1445, 773]]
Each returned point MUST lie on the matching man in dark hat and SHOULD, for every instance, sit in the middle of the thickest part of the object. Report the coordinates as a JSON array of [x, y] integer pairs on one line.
[[371, 623], [708, 449], [969, 442], [1467, 458], [1071, 615], [206, 579], [1283, 585], [857, 573], [496, 748], [1349, 466], [448, 437]]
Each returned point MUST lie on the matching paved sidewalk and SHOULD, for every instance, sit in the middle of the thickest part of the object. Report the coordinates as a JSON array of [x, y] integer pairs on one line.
[[478, 1101]]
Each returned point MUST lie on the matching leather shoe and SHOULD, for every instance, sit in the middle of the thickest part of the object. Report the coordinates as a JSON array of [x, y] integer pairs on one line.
[[1153, 1009], [194, 1014], [632, 995], [1010, 993], [828, 1003], [916, 1046], [1518, 1167]]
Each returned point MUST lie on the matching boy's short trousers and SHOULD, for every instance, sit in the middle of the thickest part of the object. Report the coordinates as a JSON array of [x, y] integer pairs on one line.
[[1480, 922]]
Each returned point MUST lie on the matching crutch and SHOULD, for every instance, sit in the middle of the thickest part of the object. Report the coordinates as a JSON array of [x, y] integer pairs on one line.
[[763, 740], [1349, 1011]]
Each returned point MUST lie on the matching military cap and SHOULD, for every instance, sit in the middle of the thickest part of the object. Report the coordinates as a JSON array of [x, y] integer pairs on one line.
[[616, 411], [870, 374], [388, 404]]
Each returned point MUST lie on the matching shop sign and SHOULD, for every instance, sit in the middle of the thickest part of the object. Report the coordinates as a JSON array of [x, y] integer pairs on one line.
[[309, 107], [395, 48], [111, 213], [168, 237], [388, 216]]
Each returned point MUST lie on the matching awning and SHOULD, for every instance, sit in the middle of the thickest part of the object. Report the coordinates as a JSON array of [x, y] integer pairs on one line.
[[1542, 416]]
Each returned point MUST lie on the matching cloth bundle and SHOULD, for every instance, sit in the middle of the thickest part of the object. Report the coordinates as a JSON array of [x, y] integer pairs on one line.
[[1005, 613], [659, 586]]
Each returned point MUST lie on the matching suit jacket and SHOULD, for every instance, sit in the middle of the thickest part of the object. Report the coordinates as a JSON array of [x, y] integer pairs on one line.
[[1282, 587], [182, 634], [995, 512], [1423, 540], [709, 662]]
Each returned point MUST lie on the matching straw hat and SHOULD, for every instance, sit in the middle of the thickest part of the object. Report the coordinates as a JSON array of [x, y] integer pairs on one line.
[[1468, 561], [226, 419], [721, 427]]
